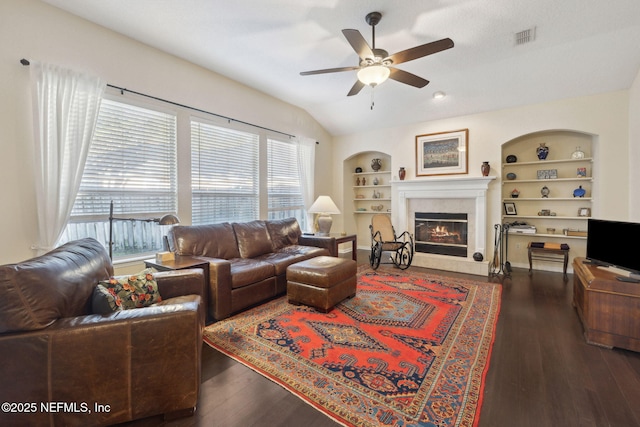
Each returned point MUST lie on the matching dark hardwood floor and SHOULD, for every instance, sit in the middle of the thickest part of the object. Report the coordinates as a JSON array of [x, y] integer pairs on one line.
[[542, 372]]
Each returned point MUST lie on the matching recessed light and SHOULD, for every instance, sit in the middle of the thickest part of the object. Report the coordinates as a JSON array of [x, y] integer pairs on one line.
[[439, 95]]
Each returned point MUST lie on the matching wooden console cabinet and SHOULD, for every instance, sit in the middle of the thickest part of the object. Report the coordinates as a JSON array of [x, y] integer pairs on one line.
[[609, 309]]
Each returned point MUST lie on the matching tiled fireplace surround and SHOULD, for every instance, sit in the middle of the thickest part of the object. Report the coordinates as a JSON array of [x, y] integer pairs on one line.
[[451, 194]]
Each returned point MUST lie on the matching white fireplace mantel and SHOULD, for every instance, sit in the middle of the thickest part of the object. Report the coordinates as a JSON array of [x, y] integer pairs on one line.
[[449, 187]]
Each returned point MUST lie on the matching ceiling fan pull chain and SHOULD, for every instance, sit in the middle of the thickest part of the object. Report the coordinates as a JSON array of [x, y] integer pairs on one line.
[[372, 91]]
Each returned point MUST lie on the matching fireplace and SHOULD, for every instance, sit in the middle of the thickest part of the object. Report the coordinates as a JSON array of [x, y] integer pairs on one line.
[[448, 194], [441, 233]]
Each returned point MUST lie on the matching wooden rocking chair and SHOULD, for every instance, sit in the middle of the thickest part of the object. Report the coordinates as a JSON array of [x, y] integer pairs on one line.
[[384, 239]]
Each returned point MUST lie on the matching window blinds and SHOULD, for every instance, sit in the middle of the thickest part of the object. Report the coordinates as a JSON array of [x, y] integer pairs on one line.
[[284, 192], [132, 161], [224, 174]]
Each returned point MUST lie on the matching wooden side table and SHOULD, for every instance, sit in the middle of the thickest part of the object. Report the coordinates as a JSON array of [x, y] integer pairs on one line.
[[340, 238], [546, 254], [179, 263], [353, 238]]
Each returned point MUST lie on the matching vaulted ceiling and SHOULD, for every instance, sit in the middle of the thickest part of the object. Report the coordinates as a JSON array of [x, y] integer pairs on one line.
[[579, 47]]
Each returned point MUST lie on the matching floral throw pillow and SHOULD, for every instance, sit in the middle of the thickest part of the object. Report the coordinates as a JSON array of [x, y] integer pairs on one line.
[[126, 292]]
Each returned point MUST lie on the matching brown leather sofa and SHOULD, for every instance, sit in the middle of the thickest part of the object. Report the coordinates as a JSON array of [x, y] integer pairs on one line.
[[248, 260], [62, 365]]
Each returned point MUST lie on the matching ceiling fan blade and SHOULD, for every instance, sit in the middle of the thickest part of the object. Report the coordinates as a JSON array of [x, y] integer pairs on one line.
[[420, 51], [357, 87], [407, 78], [328, 70], [358, 43]]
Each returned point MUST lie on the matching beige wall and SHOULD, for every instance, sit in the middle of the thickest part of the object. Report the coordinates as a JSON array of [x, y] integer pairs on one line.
[[36, 31], [605, 116]]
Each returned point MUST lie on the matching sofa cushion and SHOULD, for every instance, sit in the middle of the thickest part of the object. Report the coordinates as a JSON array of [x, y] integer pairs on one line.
[[283, 232], [253, 238], [105, 301], [126, 292], [290, 255], [247, 271], [210, 240], [37, 292]]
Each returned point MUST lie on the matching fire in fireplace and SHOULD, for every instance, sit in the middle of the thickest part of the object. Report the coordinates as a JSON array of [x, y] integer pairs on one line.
[[441, 233]]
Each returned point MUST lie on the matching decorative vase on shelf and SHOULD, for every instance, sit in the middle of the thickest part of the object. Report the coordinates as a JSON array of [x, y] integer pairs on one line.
[[578, 154], [402, 173], [358, 181], [364, 181], [376, 164], [485, 168], [376, 181], [515, 193], [579, 192], [542, 151]]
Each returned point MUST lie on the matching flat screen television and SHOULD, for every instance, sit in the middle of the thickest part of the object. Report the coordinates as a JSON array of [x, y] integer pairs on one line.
[[614, 243]]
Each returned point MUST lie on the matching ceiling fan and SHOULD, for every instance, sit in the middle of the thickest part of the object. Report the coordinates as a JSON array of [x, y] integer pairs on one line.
[[376, 64]]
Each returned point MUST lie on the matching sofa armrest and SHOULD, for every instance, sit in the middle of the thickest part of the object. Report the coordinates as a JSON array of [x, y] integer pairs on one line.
[[219, 287], [328, 243], [181, 282], [176, 283]]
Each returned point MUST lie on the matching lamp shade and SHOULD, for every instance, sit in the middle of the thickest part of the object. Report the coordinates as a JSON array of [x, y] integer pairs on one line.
[[324, 207], [324, 204], [373, 74], [169, 219]]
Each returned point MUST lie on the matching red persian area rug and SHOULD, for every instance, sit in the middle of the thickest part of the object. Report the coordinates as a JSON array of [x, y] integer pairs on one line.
[[410, 349]]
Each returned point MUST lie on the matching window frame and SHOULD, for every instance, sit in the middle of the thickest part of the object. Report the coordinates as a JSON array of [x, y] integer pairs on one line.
[[184, 115]]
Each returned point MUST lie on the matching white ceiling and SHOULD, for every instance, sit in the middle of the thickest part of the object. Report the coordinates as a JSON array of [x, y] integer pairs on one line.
[[582, 47]]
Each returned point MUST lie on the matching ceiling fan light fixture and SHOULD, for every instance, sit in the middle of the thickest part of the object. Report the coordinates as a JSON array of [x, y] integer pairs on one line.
[[439, 95], [373, 75]]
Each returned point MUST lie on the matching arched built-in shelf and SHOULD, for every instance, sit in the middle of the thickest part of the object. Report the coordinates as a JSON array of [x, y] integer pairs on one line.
[[361, 196], [562, 174]]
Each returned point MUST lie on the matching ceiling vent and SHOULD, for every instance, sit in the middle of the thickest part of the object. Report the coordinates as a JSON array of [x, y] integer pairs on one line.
[[526, 36]]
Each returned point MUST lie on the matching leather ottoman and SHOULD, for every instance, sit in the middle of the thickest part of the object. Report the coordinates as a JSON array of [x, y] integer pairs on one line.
[[321, 282]]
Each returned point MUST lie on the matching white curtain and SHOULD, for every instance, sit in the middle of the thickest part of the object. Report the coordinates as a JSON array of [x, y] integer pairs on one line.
[[66, 105], [306, 170]]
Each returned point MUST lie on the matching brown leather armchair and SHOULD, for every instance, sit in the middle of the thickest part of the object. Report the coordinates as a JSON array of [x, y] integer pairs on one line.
[[62, 365]]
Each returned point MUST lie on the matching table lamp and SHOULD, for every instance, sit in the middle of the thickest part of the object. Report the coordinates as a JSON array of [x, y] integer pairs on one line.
[[324, 207]]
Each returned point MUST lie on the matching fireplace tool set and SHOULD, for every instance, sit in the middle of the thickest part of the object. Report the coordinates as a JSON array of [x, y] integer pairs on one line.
[[499, 265]]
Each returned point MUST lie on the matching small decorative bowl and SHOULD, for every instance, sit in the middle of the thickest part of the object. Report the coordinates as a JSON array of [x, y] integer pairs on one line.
[[511, 176], [511, 158]]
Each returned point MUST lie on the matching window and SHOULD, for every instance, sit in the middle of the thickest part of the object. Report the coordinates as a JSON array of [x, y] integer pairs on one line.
[[284, 196], [224, 174], [132, 162]]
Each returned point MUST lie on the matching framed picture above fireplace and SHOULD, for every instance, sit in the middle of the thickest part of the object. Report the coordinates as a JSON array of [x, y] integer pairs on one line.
[[443, 153]]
